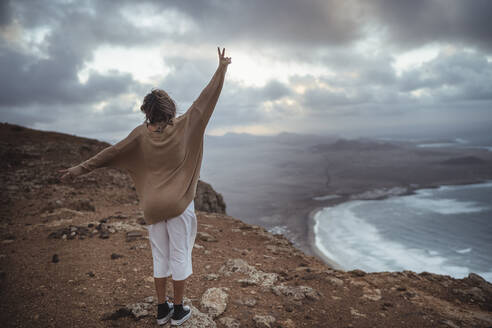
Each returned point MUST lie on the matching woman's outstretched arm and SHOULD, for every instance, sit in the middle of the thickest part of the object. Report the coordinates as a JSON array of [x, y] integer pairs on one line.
[[118, 155], [204, 105]]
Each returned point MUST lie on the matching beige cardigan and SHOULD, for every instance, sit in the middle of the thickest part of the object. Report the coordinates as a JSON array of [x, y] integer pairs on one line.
[[165, 166]]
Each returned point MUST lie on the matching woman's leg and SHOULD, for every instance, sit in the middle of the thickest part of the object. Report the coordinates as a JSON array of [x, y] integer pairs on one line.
[[179, 287], [159, 241], [182, 232], [161, 289]]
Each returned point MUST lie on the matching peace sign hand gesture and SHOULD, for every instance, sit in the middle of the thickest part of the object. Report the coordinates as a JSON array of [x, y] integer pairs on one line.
[[223, 61]]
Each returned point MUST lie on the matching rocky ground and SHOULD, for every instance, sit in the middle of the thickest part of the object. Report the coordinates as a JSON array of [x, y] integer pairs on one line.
[[77, 254]]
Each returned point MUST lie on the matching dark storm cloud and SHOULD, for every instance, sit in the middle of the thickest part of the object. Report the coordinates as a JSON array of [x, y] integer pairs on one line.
[[289, 22], [454, 77], [38, 87], [418, 22]]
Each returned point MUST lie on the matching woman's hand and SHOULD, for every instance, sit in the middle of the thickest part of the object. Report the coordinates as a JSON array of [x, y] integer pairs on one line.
[[223, 61], [70, 173]]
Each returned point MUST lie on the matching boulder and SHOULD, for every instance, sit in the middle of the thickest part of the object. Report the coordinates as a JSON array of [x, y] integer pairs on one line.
[[214, 301]]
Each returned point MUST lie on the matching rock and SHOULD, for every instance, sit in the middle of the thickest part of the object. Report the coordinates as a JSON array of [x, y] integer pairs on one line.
[[356, 313], [249, 301], [55, 258], [211, 276], [247, 282], [475, 278], [276, 249], [198, 319], [288, 324], [373, 294], [357, 273], [256, 277], [104, 234], [229, 322], [205, 236], [133, 235], [473, 294], [214, 301], [296, 292], [120, 313], [263, 321], [91, 274], [236, 265], [198, 246], [115, 256], [335, 281], [139, 310], [150, 299]]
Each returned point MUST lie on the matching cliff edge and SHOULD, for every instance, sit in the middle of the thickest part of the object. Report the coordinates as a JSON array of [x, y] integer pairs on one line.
[[77, 254]]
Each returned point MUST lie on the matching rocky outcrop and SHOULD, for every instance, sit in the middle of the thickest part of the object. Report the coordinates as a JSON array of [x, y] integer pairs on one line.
[[208, 200]]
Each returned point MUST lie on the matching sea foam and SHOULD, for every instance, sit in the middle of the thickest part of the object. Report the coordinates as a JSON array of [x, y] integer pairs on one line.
[[356, 244]]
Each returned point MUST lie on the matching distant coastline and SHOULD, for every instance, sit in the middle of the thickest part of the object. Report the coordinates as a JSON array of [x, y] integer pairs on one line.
[[411, 191]]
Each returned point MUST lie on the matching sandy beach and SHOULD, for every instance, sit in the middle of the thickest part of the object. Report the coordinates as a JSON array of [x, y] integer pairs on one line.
[[312, 241], [311, 235]]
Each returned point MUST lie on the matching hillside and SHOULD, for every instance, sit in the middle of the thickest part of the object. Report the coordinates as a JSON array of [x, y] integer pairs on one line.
[[77, 255]]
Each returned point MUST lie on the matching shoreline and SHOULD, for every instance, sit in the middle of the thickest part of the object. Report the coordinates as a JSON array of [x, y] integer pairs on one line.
[[311, 221], [312, 241]]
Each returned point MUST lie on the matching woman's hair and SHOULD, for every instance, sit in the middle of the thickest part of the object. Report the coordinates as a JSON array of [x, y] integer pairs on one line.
[[158, 106]]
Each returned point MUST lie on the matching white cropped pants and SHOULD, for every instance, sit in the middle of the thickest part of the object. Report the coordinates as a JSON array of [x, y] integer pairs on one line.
[[172, 243]]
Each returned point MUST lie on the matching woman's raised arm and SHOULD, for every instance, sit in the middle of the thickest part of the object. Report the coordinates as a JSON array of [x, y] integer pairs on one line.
[[204, 105]]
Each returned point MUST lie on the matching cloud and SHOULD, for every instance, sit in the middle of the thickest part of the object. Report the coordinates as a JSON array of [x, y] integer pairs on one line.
[[415, 23], [334, 61]]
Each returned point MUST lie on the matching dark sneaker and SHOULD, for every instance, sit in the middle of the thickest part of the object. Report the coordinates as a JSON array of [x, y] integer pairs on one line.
[[180, 315], [164, 312]]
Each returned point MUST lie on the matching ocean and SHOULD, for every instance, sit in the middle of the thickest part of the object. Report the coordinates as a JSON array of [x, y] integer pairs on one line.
[[446, 230]]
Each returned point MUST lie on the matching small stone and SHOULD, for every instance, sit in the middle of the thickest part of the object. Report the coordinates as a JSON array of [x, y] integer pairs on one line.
[[288, 324], [205, 236], [229, 322], [356, 313], [115, 256], [373, 294], [91, 274], [139, 310], [249, 301], [335, 281], [55, 258], [150, 299], [198, 246], [211, 276], [263, 321]]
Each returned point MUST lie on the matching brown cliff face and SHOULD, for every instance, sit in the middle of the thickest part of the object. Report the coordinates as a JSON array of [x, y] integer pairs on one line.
[[76, 254]]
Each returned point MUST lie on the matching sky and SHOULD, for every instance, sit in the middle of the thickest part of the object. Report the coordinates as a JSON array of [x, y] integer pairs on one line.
[[352, 68]]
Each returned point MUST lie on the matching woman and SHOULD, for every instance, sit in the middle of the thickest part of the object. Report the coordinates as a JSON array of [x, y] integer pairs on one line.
[[163, 156]]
